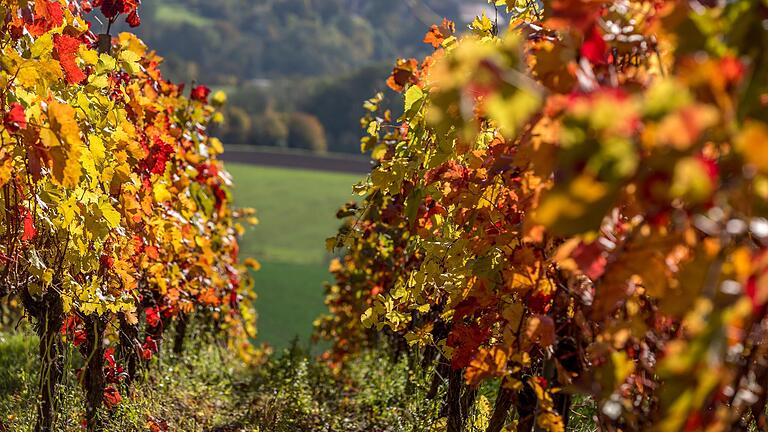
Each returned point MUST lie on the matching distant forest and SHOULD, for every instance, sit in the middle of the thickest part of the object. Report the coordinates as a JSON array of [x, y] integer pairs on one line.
[[296, 71]]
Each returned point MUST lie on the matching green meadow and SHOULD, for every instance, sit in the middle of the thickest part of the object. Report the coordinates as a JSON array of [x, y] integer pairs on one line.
[[296, 211]]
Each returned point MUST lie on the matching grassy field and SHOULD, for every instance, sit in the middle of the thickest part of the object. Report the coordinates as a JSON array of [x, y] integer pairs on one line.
[[296, 210]]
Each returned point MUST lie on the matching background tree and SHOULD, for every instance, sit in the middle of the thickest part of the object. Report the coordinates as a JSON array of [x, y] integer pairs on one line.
[[306, 132]]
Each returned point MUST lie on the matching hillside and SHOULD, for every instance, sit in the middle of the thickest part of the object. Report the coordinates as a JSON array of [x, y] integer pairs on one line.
[[227, 42], [296, 71]]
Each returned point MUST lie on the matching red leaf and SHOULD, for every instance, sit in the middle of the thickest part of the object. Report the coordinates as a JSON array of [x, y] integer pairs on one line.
[[590, 259], [148, 348], [47, 16], [200, 93], [220, 195], [111, 397], [540, 302], [15, 118], [29, 227], [757, 285], [109, 356], [86, 6], [710, 166], [153, 317], [65, 50], [106, 261], [732, 69], [79, 338], [159, 154], [466, 340], [113, 8], [594, 47], [133, 19]]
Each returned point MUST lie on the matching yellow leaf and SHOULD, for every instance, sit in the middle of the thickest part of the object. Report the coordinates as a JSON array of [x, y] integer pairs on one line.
[[130, 42], [62, 138], [130, 317], [488, 363], [69, 210], [43, 45], [111, 215], [89, 56], [216, 145], [219, 98], [252, 264], [96, 144], [752, 143], [161, 193]]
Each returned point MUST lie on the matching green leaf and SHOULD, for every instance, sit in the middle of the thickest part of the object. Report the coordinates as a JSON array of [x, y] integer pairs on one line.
[[413, 97]]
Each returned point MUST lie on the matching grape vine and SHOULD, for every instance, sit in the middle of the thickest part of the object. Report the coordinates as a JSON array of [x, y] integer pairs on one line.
[[575, 205], [115, 210]]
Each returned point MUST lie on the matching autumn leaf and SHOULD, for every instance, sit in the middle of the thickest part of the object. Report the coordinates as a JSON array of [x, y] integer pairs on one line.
[[405, 72], [15, 119], [159, 154], [62, 139], [48, 14], [29, 227], [200, 93], [252, 264], [594, 47], [465, 340], [540, 330], [437, 34], [153, 316], [148, 348], [109, 213], [65, 49], [576, 15], [112, 397], [587, 258], [113, 8], [488, 363], [133, 19], [752, 142]]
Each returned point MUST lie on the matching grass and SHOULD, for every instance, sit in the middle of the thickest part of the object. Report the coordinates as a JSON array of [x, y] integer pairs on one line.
[[207, 389], [290, 298], [296, 209]]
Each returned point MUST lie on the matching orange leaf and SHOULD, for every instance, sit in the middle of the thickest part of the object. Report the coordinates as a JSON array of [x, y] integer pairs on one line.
[[436, 35], [405, 72], [488, 363]]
